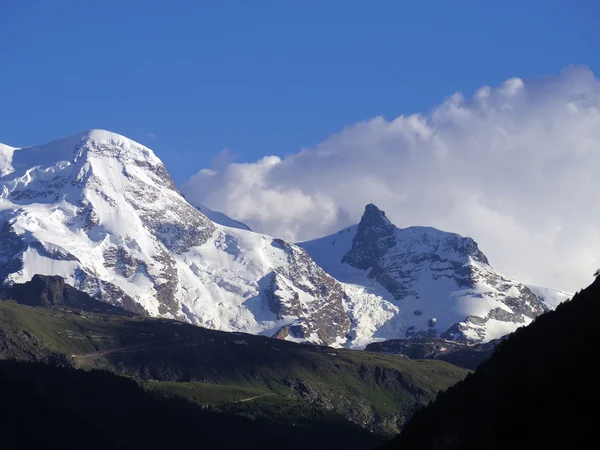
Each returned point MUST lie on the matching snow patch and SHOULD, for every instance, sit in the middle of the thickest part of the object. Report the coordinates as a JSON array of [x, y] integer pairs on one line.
[[551, 297]]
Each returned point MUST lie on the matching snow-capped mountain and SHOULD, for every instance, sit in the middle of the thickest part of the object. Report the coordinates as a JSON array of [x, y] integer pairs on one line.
[[421, 281], [102, 211]]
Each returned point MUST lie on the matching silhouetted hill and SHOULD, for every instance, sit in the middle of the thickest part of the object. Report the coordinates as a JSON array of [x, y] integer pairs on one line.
[[539, 390]]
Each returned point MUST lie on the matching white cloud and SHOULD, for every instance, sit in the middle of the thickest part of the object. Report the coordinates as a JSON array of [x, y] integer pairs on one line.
[[516, 167]]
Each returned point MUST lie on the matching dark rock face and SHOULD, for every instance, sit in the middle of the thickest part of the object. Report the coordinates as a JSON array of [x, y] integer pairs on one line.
[[325, 317], [166, 291], [121, 260], [457, 353], [52, 291], [374, 236]]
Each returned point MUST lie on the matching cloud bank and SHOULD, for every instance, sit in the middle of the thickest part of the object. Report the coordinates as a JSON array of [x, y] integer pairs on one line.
[[516, 167]]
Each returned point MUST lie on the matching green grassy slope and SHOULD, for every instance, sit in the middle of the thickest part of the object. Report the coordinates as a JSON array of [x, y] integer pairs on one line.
[[375, 390]]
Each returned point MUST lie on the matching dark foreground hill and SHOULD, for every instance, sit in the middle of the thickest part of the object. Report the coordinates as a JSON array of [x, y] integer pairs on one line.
[[50, 407], [539, 390], [235, 373]]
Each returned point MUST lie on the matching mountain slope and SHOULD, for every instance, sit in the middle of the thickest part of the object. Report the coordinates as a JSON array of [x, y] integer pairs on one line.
[[420, 281], [538, 390], [102, 212], [374, 390]]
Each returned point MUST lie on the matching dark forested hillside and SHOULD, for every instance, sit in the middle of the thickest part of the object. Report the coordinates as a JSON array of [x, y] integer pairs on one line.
[[220, 370], [43, 406], [539, 390]]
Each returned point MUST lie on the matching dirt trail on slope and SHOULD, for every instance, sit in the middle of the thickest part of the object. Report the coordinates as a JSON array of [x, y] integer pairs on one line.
[[133, 347], [253, 398]]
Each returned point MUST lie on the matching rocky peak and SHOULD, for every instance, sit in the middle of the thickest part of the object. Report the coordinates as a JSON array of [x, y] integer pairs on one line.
[[379, 242], [375, 234], [374, 217]]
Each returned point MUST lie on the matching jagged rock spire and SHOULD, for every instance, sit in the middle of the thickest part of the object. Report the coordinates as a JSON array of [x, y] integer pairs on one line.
[[373, 216], [374, 235]]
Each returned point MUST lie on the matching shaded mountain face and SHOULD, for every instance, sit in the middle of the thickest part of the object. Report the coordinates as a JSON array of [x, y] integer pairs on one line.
[[540, 375], [421, 282], [102, 212]]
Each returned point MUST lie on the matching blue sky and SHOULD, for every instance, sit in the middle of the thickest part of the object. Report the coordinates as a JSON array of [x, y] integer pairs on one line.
[[189, 78]]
